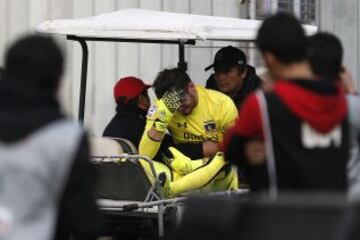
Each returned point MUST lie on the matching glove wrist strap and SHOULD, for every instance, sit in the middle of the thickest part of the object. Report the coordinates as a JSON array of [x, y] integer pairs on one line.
[[160, 126]]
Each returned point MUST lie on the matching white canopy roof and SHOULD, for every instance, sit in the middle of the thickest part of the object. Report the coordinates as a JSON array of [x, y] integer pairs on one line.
[[156, 25]]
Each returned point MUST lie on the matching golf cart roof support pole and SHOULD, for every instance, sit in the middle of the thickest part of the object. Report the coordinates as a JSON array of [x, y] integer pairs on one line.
[[84, 67], [182, 64]]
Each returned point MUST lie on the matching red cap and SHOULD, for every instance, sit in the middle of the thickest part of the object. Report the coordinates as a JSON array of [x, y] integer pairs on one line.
[[129, 87]]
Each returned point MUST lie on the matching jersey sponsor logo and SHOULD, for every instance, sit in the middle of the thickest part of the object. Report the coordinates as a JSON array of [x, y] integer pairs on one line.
[[191, 136], [151, 111], [209, 126], [313, 139], [181, 125]]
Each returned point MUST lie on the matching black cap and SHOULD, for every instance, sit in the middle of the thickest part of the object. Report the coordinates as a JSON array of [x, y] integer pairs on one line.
[[226, 58]]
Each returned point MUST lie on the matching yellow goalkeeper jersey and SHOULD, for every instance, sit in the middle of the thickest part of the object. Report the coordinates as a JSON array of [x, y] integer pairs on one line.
[[213, 114]]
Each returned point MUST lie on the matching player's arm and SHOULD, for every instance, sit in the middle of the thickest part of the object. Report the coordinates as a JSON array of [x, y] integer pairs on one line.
[[210, 148], [198, 150], [149, 146], [158, 118], [228, 114]]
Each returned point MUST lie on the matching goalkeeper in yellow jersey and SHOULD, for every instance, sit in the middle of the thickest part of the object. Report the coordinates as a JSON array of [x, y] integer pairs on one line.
[[196, 119]]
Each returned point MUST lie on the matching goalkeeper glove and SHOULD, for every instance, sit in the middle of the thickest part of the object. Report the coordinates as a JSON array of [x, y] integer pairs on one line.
[[178, 161], [166, 107]]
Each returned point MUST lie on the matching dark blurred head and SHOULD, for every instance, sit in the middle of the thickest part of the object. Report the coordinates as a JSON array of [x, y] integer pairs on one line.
[[325, 54], [175, 79], [36, 61], [142, 101], [282, 36]]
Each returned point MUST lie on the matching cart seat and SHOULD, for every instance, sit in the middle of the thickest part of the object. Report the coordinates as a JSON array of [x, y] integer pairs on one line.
[[119, 179]]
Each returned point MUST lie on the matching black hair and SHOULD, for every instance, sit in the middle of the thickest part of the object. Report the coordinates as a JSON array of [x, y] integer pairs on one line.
[[133, 102], [1, 72], [325, 54], [170, 79], [35, 60], [283, 36]]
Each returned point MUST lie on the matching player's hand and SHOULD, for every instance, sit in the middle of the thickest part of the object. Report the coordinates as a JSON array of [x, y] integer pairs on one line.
[[166, 107], [178, 161]]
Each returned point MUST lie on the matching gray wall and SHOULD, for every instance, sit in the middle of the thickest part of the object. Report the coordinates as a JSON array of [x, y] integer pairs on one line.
[[342, 19], [109, 61]]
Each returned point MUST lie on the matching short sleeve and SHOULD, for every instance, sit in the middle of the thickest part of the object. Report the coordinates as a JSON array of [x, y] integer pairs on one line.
[[228, 114]]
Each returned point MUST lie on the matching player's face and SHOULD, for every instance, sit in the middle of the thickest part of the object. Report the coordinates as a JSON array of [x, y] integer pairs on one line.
[[231, 81], [190, 100]]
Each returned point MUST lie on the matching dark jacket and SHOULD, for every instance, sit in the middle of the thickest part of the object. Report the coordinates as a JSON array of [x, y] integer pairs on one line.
[[128, 122], [251, 83], [23, 111], [310, 136]]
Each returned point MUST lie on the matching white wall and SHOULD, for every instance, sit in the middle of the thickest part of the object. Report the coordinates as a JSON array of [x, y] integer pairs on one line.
[[109, 61], [342, 19]]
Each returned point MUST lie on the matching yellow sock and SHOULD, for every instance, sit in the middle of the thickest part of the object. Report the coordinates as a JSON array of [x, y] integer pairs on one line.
[[229, 181]]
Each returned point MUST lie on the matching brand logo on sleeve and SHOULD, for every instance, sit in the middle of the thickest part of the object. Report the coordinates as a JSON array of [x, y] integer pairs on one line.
[[151, 111]]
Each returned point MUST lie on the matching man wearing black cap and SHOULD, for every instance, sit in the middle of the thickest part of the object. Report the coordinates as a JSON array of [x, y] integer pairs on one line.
[[232, 74]]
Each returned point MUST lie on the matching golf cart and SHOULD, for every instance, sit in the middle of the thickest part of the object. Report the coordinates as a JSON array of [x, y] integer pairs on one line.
[[143, 26]]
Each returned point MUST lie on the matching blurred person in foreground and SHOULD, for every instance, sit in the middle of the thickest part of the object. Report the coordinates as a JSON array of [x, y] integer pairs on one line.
[[307, 118], [232, 75], [46, 178], [325, 54], [132, 103]]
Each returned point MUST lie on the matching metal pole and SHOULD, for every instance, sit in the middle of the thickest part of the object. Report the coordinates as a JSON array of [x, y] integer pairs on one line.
[[252, 15], [297, 8], [161, 220], [273, 6], [318, 15], [182, 64], [84, 67]]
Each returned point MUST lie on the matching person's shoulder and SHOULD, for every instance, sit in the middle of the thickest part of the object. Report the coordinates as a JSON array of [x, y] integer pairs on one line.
[[216, 99], [212, 94]]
